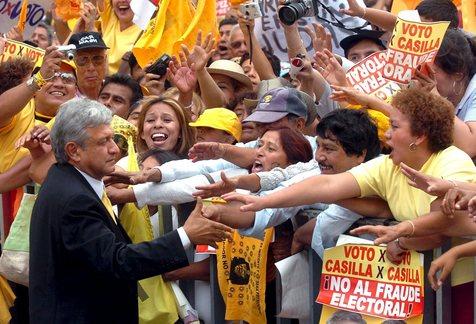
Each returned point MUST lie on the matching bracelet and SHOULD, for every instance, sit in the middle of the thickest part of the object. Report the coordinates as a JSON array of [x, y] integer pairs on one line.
[[413, 228], [397, 241], [365, 11]]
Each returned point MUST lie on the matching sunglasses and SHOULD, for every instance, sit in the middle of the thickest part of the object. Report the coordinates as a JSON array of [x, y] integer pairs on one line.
[[84, 60], [66, 78], [237, 44]]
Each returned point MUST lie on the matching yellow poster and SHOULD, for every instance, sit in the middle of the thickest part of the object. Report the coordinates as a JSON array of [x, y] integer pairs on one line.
[[360, 279], [411, 44], [241, 267], [13, 49]]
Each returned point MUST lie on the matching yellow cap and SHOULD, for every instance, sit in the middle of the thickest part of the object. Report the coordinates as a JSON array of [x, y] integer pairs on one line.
[[220, 118]]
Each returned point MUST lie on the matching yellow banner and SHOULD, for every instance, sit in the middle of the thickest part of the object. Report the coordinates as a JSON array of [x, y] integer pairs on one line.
[[14, 49]]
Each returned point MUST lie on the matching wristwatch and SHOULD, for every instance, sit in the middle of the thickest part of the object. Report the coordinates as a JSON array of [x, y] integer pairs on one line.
[[32, 83]]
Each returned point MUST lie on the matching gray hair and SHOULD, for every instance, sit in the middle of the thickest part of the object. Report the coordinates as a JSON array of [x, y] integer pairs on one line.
[[72, 122], [49, 31]]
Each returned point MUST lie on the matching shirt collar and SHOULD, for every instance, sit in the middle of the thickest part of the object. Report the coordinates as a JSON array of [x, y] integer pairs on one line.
[[97, 185]]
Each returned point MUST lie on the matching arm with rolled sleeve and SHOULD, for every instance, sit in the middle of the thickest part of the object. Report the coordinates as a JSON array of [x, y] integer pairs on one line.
[[271, 179]]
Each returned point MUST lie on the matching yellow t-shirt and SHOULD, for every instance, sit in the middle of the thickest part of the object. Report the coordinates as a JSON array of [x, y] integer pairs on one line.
[[380, 177], [9, 134], [119, 42]]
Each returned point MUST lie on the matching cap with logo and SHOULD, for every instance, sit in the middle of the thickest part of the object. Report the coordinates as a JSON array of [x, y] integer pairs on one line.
[[86, 40], [278, 103], [220, 118]]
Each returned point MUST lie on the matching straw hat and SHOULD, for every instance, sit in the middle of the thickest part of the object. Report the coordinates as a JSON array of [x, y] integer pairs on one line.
[[230, 69]]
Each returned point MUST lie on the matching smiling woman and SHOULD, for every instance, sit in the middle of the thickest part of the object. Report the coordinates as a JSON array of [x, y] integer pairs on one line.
[[163, 124]]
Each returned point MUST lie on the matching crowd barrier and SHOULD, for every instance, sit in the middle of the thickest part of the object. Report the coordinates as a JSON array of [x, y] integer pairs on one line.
[[437, 304]]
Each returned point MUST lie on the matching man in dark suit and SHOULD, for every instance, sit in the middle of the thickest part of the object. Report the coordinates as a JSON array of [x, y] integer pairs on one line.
[[83, 267]]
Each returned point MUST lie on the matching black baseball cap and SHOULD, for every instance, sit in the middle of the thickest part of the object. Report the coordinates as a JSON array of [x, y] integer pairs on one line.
[[86, 40], [350, 41]]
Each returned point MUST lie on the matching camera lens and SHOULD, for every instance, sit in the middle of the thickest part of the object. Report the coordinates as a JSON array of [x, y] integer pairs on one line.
[[70, 55], [290, 13]]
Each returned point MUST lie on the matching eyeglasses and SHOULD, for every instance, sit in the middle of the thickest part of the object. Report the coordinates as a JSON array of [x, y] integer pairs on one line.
[[84, 60], [66, 78]]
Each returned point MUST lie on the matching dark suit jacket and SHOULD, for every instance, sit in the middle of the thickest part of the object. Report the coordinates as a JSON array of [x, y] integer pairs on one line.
[[83, 267]]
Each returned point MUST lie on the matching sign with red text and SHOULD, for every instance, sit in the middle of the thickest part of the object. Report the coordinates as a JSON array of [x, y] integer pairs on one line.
[[360, 279], [368, 76], [10, 12], [412, 44], [14, 49]]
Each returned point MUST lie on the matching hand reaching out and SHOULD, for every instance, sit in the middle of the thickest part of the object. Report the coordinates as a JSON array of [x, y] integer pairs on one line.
[[321, 38], [431, 185], [216, 189], [207, 151], [330, 69], [201, 230], [251, 202], [180, 74], [201, 53], [354, 10], [37, 141]]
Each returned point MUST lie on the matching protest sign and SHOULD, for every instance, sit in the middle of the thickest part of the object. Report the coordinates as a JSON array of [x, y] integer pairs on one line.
[[368, 76], [15, 49], [412, 44], [271, 35], [10, 12], [360, 279]]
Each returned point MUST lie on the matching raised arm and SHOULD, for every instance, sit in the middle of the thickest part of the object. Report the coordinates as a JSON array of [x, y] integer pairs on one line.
[[260, 62], [377, 17], [13, 100]]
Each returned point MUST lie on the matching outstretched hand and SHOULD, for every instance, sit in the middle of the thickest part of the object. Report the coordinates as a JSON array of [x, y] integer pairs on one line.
[[444, 264], [431, 185], [216, 189], [385, 234], [330, 69], [251, 202], [206, 151], [181, 75], [201, 230], [201, 53]]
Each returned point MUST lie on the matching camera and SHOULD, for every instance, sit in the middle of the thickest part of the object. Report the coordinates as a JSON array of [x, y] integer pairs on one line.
[[293, 10], [160, 66], [251, 10], [68, 50]]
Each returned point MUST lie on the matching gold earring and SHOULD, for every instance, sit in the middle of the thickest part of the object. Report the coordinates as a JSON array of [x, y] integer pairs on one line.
[[412, 147]]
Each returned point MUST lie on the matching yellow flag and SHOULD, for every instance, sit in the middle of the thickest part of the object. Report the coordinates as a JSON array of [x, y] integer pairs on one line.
[[22, 18], [241, 268], [156, 298], [176, 22]]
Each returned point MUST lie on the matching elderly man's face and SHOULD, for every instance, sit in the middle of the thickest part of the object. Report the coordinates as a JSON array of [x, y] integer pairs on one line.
[[236, 43], [97, 156], [91, 66], [40, 37]]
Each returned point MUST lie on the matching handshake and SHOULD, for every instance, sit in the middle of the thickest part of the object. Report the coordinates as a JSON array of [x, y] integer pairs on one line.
[[202, 230]]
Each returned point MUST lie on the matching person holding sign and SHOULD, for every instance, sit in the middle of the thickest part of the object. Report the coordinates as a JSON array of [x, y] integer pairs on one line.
[[421, 136]]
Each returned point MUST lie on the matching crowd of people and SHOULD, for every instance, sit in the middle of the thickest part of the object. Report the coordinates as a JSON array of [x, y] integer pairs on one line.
[[118, 150]]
